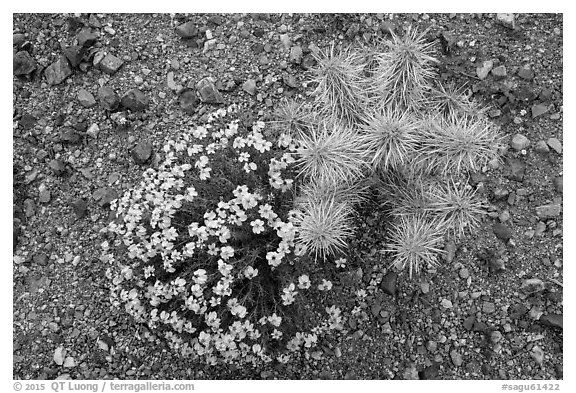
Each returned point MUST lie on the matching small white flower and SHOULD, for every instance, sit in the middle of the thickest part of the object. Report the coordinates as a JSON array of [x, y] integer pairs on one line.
[[257, 226], [250, 272], [326, 285], [340, 263], [304, 282]]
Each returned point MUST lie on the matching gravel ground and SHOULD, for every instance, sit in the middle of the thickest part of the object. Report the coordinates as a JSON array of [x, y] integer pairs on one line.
[[492, 311]]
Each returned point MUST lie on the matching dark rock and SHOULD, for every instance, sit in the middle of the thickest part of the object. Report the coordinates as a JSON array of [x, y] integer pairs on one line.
[[552, 320], [480, 326], [134, 100], [142, 152], [79, 207], [68, 135], [259, 32], [517, 311], [308, 62], [430, 372], [469, 322], [23, 63], [189, 101], [388, 284], [187, 30], [27, 121], [502, 232], [85, 98], [40, 259], [208, 92], [108, 98], [58, 167], [104, 196], [558, 184], [538, 110], [57, 72], [74, 54], [110, 64], [86, 37], [515, 169], [296, 54]]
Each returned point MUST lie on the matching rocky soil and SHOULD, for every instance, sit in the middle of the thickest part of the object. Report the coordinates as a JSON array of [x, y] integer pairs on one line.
[[96, 96]]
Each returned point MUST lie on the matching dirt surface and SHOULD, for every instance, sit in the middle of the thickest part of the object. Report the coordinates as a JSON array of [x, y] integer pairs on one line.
[[476, 317]]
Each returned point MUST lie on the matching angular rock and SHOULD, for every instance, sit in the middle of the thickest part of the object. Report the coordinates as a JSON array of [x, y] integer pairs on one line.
[[79, 207], [104, 196], [541, 147], [506, 19], [108, 98], [517, 311], [85, 98], [469, 322], [388, 284], [69, 135], [558, 184], [549, 211], [86, 37], [58, 167], [532, 285], [208, 92], [27, 121], [499, 72], [502, 232], [59, 356], [134, 100], [74, 54], [519, 142], [539, 110], [44, 196], [189, 101], [515, 169], [537, 354], [57, 72], [110, 64], [142, 152], [296, 54], [23, 63], [552, 320], [483, 71], [40, 259], [430, 372], [187, 30], [456, 358], [18, 39], [290, 80], [249, 86], [555, 145], [526, 73]]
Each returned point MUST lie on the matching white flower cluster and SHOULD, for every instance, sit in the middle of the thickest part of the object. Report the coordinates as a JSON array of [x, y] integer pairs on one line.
[[184, 267]]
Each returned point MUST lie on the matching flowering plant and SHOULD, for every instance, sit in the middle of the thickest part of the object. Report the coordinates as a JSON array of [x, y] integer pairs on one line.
[[204, 249]]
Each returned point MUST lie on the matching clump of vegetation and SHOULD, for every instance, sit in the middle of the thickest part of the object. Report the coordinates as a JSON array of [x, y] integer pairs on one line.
[[226, 247]]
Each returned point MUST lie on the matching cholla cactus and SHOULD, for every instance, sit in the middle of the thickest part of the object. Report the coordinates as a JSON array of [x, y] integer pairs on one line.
[[458, 144], [405, 70], [415, 240], [340, 91], [331, 154]]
